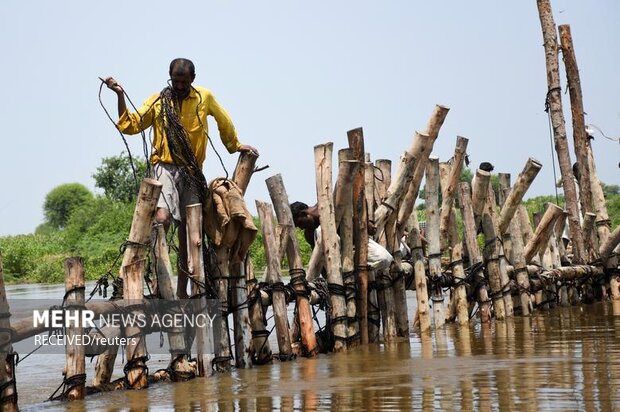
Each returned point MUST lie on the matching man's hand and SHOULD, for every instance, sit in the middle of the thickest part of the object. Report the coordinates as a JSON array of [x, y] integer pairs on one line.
[[247, 148], [112, 84]]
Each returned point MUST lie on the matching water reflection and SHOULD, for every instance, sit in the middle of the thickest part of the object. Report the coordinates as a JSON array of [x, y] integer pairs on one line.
[[567, 358]]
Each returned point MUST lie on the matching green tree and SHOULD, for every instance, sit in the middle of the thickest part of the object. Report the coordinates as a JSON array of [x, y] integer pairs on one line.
[[116, 177], [61, 201]]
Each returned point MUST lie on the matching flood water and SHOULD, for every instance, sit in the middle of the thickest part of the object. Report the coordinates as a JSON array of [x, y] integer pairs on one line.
[[561, 359]]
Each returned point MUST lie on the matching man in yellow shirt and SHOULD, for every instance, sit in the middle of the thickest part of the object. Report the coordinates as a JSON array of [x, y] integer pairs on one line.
[[178, 116]]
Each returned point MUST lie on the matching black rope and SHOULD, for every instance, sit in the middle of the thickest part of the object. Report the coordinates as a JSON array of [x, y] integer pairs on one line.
[[67, 385]]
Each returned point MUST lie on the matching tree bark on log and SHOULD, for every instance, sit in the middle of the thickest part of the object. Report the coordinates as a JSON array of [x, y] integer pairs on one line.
[[135, 368], [543, 231], [524, 180], [432, 235], [331, 245], [449, 192], [138, 240], [473, 251], [374, 315], [205, 341], [580, 137], [280, 200], [355, 138], [492, 251], [75, 368], [260, 335], [480, 191], [273, 277], [554, 102]]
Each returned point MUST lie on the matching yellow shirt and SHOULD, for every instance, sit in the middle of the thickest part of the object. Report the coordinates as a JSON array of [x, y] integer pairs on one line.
[[199, 100]]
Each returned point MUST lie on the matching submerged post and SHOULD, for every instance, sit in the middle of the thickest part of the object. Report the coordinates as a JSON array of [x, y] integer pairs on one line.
[[75, 370]]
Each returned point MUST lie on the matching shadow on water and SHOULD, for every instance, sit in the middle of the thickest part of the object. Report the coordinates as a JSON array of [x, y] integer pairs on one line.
[[561, 359]]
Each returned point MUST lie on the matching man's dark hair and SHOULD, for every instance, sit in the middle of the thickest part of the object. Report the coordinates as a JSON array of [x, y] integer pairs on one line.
[[183, 64], [297, 208], [486, 166]]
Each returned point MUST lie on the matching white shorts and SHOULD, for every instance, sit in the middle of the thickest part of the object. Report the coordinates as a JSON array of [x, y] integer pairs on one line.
[[177, 191]]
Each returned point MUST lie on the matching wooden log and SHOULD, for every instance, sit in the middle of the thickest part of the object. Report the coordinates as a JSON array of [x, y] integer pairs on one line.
[[554, 103], [580, 137], [480, 189], [504, 183], [223, 355], [260, 335], [473, 251], [355, 138], [205, 341], [543, 231], [280, 200], [316, 262], [383, 179], [374, 316], [331, 245], [456, 262], [609, 245], [273, 277], [179, 351], [239, 296], [449, 192], [589, 235], [400, 182], [345, 230], [492, 252], [432, 235], [603, 224], [137, 241], [521, 276], [432, 131], [75, 369], [136, 372], [8, 394], [524, 180]]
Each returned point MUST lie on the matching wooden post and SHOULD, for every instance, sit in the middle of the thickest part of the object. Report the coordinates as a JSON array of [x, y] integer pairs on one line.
[[344, 208], [522, 279], [136, 371], [221, 362], [543, 231], [179, 351], [8, 395], [432, 131], [473, 251], [280, 200], [384, 180], [554, 102], [137, 242], [580, 137], [239, 296], [480, 191], [374, 315], [273, 277], [449, 192], [504, 183], [75, 370], [331, 245], [432, 235], [603, 224], [524, 180], [205, 344], [589, 235], [360, 229], [492, 251], [260, 335], [456, 261]]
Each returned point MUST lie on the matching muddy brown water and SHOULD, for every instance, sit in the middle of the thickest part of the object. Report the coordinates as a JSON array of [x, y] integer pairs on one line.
[[561, 359]]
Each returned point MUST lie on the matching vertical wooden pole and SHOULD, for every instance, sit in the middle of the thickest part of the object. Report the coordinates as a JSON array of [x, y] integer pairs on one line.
[[205, 343], [504, 183], [179, 351], [432, 235], [221, 362], [554, 101], [580, 137], [280, 200], [360, 229], [449, 192], [260, 335], [374, 315], [8, 394], [273, 277], [331, 245], [522, 279], [137, 242], [239, 296], [74, 303], [492, 251], [475, 258], [543, 231], [136, 371]]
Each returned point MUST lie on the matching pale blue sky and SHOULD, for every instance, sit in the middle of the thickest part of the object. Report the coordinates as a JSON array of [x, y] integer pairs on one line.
[[292, 75]]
